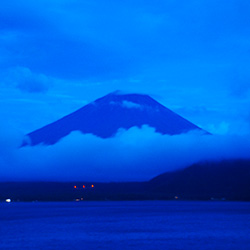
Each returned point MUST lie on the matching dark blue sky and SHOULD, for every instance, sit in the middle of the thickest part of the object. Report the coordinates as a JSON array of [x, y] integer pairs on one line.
[[191, 56]]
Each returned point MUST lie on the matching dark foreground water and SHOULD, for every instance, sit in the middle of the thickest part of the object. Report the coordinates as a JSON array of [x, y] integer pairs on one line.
[[125, 225]]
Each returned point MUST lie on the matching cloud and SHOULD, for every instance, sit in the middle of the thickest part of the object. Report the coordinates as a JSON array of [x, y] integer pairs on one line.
[[26, 80], [82, 40], [133, 155]]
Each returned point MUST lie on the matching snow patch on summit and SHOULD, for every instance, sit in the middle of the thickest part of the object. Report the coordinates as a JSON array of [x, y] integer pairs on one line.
[[128, 104]]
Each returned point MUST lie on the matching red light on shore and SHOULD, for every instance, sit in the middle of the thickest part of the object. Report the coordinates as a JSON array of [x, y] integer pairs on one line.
[[92, 185], [74, 186], [83, 186]]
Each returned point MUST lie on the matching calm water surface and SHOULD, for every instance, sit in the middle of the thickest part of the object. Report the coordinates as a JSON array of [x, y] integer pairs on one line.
[[125, 225]]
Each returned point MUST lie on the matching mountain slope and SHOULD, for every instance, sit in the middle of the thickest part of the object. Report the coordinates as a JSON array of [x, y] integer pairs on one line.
[[105, 116], [228, 179]]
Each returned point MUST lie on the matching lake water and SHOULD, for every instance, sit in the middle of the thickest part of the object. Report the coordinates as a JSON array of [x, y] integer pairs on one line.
[[125, 225]]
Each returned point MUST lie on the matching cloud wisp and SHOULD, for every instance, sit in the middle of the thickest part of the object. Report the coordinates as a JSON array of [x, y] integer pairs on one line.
[[25, 80]]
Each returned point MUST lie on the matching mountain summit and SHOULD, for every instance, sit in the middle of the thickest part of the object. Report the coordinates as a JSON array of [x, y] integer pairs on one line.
[[105, 116]]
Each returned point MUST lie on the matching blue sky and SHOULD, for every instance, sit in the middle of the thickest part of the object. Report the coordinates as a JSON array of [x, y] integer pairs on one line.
[[191, 56]]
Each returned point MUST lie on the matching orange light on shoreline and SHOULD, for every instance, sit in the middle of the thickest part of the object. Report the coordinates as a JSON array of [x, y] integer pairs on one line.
[[74, 186], [83, 186], [92, 185]]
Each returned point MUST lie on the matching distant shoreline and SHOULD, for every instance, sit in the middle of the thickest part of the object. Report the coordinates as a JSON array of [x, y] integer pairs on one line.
[[216, 181]]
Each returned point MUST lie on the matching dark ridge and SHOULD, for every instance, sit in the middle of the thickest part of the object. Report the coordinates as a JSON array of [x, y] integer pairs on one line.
[[229, 179]]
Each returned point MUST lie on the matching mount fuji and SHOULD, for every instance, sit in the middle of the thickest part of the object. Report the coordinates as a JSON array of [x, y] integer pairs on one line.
[[106, 115]]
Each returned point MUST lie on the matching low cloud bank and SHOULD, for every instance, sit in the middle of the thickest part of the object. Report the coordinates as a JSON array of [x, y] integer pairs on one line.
[[133, 155]]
